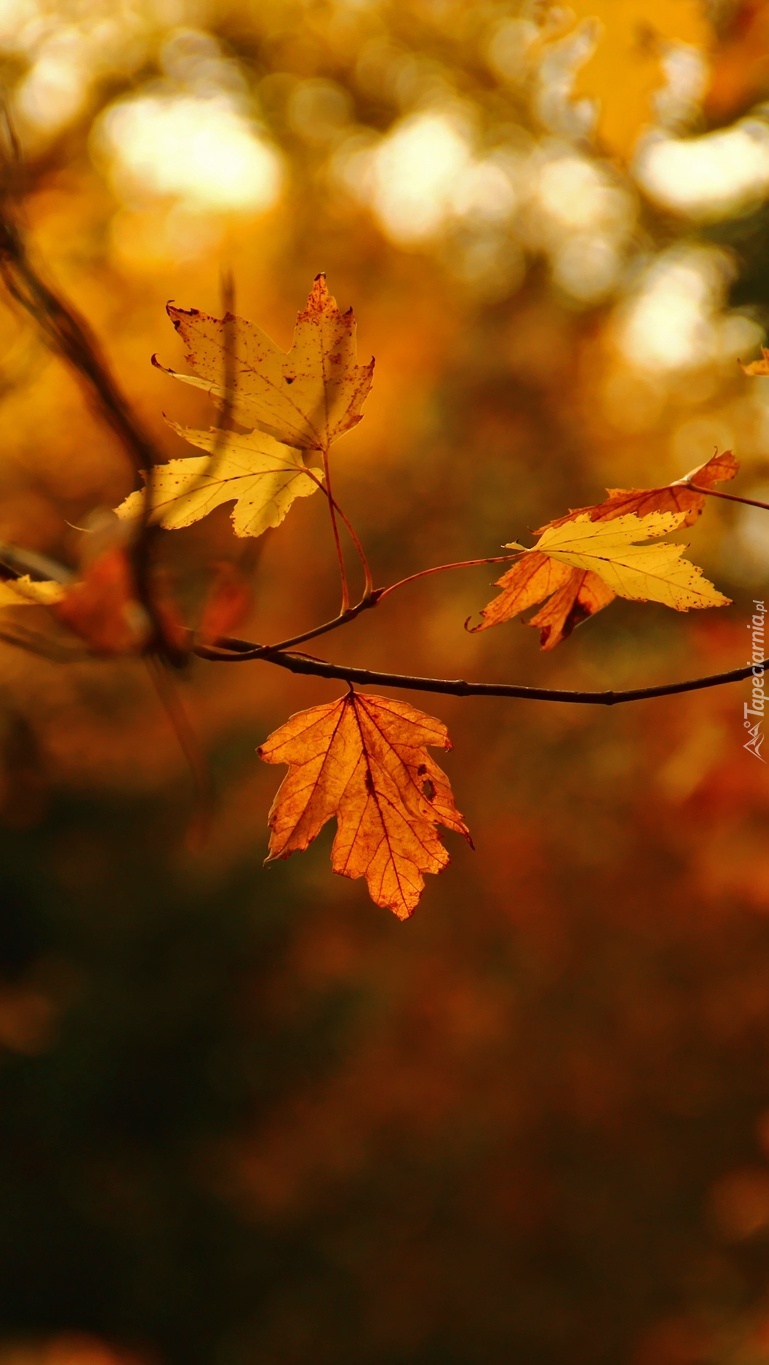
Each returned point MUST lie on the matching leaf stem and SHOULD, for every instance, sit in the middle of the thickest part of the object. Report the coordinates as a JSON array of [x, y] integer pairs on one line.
[[368, 581], [332, 507], [729, 497], [441, 568]]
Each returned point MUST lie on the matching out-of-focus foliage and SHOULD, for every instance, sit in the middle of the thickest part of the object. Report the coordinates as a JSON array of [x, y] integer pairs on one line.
[[245, 1118]]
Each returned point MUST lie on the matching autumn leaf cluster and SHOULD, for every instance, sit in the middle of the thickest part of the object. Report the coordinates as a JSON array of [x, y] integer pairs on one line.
[[362, 760]]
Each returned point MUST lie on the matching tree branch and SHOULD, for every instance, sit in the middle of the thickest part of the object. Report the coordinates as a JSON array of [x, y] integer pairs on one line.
[[230, 650]]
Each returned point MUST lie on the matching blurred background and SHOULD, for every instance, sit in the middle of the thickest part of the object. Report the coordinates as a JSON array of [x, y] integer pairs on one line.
[[247, 1117]]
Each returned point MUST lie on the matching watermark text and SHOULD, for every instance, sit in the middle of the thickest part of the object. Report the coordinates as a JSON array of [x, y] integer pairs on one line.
[[753, 711]]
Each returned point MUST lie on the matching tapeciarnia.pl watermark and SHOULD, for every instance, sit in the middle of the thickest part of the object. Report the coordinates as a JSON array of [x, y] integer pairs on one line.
[[753, 712]]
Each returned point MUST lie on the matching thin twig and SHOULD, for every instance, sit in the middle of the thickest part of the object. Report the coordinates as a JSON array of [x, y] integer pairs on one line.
[[69, 335], [369, 600], [171, 701], [46, 649]]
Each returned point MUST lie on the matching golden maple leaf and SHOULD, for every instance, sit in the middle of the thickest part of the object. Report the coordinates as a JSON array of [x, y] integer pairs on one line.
[[259, 474], [625, 70], [363, 760], [581, 564], [30, 592], [306, 397]]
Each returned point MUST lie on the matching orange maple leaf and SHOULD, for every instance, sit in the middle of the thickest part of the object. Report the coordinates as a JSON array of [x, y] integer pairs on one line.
[[757, 368], [363, 760], [575, 594], [678, 496], [101, 606], [227, 604]]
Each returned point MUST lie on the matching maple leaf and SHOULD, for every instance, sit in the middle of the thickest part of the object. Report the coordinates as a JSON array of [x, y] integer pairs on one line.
[[581, 564], [760, 367], [678, 496], [259, 474], [739, 72], [30, 592], [101, 606], [228, 602], [363, 760], [625, 69], [306, 397]]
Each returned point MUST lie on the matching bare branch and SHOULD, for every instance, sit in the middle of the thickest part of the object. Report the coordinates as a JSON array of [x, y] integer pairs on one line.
[[230, 650]]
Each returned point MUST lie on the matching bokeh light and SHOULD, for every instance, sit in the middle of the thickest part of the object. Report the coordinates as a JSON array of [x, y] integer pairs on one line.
[[201, 151], [246, 1116]]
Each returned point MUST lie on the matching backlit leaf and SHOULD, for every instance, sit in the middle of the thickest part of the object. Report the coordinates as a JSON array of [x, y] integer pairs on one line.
[[30, 592], [306, 397], [259, 474], [625, 70], [363, 760], [678, 496], [581, 564]]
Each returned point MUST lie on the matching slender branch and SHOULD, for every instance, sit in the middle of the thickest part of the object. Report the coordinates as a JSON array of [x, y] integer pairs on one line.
[[46, 649], [370, 598], [69, 335], [171, 701], [729, 497], [235, 651]]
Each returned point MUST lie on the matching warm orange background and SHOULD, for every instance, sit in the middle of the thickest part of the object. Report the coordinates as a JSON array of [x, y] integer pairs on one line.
[[245, 1116]]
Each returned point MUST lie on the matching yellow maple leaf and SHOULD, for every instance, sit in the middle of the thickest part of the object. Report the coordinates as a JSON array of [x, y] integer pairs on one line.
[[644, 573], [262, 477], [625, 70], [574, 594], [30, 592], [305, 397], [363, 760]]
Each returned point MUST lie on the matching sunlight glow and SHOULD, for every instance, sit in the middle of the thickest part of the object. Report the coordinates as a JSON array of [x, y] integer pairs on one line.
[[56, 87], [200, 150], [675, 321], [747, 548], [413, 176], [710, 177], [424, 173], [580, 215]]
